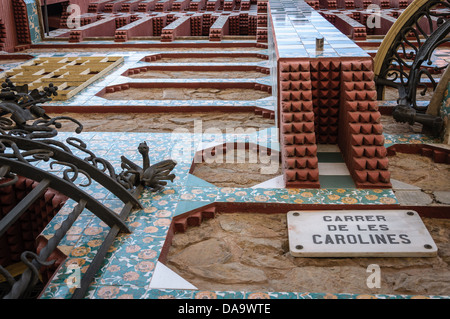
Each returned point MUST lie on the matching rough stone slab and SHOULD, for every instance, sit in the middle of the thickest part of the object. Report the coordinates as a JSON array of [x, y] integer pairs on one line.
[[398, 185], [413, 198], [442, 196], [359, 233]]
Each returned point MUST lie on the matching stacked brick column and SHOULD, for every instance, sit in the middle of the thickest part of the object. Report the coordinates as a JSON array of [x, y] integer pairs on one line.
[[140, 27], [146, 6], [330, 102], [360, 139], [111, 7], [325, 88], [245, 5], [212, 5], [349, 5], [159, 22], [313, 3], [228, 5], [261, 31], [180, 26], [220, 28], [21, 19], [2, 35], [196, 25], [252, 25], [298, 139], [234, 24], [197, 5], [243, 23], [130, 6]]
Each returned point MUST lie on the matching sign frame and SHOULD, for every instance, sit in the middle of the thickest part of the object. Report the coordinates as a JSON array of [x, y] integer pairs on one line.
[[359, 233]]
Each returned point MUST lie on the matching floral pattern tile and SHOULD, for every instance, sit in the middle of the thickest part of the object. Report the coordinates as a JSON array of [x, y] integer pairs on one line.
[[127, 270]]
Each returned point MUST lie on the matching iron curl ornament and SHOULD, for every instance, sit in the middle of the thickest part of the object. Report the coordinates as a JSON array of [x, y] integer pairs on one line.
[[21, 116], [26, 137], [408, 64]]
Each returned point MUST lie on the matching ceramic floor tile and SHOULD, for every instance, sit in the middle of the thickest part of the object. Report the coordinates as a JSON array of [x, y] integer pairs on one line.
[[165, 278], [276, 182], [398, 185], [193, 180], [186, 206], [333, 169], [336, 181]]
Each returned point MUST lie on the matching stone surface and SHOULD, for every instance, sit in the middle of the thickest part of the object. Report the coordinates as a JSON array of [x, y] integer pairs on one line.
[[186, 94], [397, 186], [244, 170], [413, 198], [442, 196], [164, 122], [270, 267], [204, 253], [390, 126], [420, 171], [231, 273], [421, 282]]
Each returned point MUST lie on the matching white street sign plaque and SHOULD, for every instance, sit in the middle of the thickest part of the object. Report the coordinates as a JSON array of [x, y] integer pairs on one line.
[[359, 233]]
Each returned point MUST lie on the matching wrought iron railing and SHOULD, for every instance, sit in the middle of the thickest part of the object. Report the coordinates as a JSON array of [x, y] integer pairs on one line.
[[26, 136], [406, 65]]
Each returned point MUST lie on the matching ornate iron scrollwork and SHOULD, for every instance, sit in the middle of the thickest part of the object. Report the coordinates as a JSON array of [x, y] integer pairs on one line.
[[22, 107], [26, 136], [407, 65]]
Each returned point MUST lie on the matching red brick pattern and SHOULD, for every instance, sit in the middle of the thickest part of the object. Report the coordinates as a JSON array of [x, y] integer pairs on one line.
[[194, 218], [314, 4], [402, 4], [349, 5], [213, 5], [21, 236], [385, 4], [21, 18], [332, 4], [330, 102], [164, 12], [252, 24], [158, 24], [245, 5], [234, 25], [196, 25], [366, 3], [297, 132], [326, 89], [361, 140], [261, 30], [2, 35], [228, 5]]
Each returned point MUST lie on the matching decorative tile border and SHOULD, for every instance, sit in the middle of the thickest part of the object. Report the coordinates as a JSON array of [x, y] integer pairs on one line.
[[128, 269], [130, 263]]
